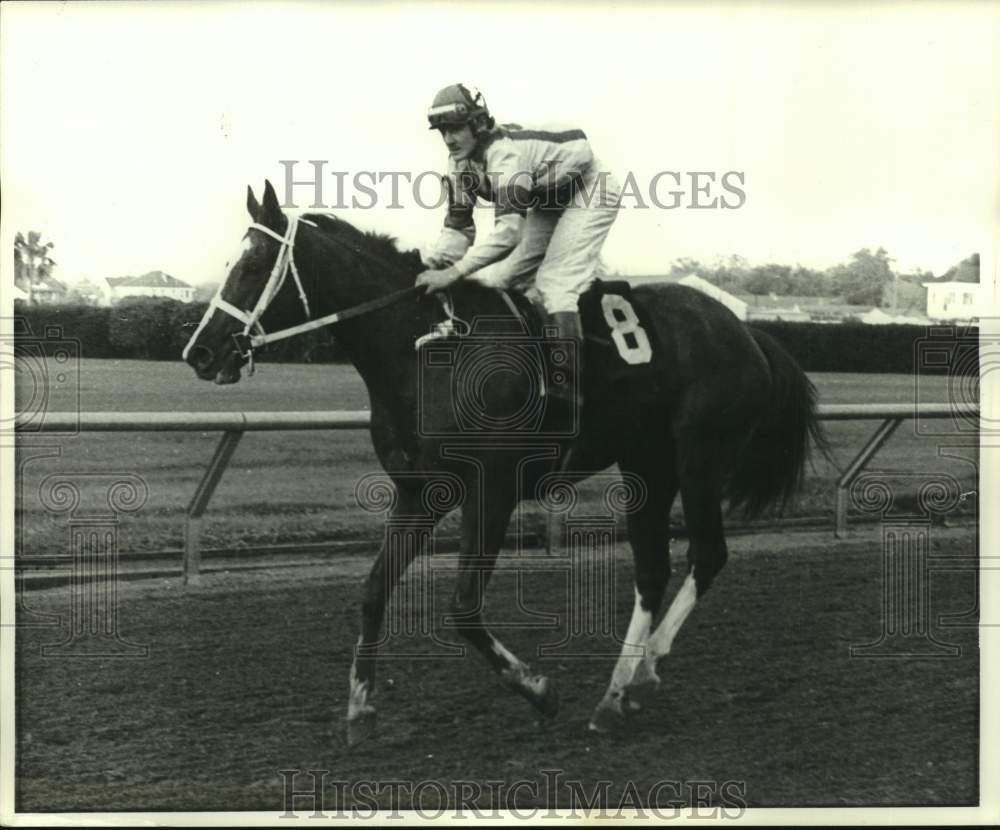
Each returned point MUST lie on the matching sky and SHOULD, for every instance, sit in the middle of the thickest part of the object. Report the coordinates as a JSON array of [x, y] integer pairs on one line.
[[129, 132]]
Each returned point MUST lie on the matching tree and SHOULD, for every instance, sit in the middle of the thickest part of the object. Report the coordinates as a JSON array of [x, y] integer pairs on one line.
[[808, 283], [84, 292], [863, 280], [769, 279], [32, 263], [728, 274], [908, 295], [966, 271]]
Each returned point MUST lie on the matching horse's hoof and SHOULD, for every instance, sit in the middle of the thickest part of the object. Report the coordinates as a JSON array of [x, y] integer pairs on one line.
[[548, 702], [361, 726], [543, 695], [608, 716]]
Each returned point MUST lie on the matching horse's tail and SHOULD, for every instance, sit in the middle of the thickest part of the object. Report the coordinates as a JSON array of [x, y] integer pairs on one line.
[[772, 465]]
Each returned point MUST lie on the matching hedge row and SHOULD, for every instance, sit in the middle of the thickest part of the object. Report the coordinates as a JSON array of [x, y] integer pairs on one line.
[[856, 347], [157, 329]]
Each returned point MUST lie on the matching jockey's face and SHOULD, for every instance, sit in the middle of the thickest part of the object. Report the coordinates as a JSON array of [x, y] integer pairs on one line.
[[459, 140]]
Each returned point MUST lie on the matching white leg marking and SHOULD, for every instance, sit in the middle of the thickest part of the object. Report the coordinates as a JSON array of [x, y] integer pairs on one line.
[[516, 673], [518, 676], [610, 708], [357, 702], [662, 639], [634, 647]]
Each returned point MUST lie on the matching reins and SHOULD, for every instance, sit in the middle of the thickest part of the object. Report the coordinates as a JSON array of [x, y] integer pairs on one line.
[[338, 317], [284, 265]]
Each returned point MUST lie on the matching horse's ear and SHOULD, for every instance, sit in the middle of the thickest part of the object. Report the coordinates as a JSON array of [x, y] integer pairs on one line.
[[253, 206], [270, 207]]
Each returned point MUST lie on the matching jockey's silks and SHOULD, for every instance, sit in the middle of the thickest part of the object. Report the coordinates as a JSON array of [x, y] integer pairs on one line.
[[552, 197]]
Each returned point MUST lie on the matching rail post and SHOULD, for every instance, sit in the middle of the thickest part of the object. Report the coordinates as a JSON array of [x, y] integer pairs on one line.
[[879, 437], [199, 502]]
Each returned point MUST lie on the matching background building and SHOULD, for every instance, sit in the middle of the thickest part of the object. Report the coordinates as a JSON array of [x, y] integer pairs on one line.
[[153, 284], [958, 294]]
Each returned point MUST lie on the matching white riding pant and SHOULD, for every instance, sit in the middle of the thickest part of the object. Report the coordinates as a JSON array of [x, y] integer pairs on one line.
[[560, 249]]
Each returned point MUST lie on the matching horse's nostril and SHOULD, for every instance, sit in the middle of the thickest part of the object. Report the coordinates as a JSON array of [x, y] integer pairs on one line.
[[200, 356]]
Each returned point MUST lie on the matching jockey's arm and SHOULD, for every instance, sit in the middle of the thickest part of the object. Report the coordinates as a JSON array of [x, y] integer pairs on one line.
[[509, 183], [459, 231], [502, 240]]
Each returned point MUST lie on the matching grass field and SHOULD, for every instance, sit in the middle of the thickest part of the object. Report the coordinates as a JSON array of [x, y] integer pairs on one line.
[[288, 487]]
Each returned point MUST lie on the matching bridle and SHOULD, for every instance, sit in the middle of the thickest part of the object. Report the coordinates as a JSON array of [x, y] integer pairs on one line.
[[284, 264]]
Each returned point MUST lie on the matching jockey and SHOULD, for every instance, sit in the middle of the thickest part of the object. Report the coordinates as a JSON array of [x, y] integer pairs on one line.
[[555, 204]]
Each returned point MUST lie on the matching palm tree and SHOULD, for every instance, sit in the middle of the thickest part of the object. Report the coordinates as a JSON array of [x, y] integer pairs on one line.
[[32, 263]]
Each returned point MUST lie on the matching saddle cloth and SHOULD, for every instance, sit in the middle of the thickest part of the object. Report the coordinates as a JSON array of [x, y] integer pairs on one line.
[[619, 338], [458, 359]]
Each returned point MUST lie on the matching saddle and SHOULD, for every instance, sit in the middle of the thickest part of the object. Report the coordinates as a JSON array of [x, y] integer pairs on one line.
[[619, 339], [467, 345]]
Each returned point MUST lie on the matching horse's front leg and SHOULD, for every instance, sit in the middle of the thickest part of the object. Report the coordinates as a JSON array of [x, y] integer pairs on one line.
[[483, 529], [405, 533]]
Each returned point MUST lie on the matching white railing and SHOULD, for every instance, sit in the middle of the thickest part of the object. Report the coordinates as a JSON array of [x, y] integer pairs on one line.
[[233, 425]]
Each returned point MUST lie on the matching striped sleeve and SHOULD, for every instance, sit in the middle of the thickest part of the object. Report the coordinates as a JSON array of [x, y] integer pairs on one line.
[[461, 202], [459, 230]]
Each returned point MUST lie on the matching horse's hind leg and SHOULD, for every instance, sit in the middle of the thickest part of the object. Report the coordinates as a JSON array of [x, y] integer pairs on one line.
[[649, 534], [405, 532], [484, 522], [700, 474]]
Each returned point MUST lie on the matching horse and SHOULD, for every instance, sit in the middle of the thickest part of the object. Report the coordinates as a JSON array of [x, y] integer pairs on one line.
[[729, 417]]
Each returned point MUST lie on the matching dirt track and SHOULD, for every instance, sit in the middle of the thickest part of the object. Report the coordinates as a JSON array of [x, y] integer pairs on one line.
[[247, 675]]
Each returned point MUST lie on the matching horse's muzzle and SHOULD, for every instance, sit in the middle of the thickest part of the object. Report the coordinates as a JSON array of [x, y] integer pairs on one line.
[[205, 365], [230, 373], [200, 359]]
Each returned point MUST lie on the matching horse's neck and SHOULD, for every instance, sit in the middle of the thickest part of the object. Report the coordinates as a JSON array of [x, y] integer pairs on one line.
[[375, 342]]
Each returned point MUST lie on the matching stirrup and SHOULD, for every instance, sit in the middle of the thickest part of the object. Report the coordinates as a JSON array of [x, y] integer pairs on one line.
[[446, 328]]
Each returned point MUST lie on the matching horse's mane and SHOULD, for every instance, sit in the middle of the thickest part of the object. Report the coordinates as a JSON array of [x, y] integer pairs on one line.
[[378, 244]]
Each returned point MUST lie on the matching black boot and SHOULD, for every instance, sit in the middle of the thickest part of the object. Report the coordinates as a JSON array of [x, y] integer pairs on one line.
[[566, 375]]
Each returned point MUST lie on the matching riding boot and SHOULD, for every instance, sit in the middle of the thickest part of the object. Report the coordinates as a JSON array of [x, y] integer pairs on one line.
[[567, 363]]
